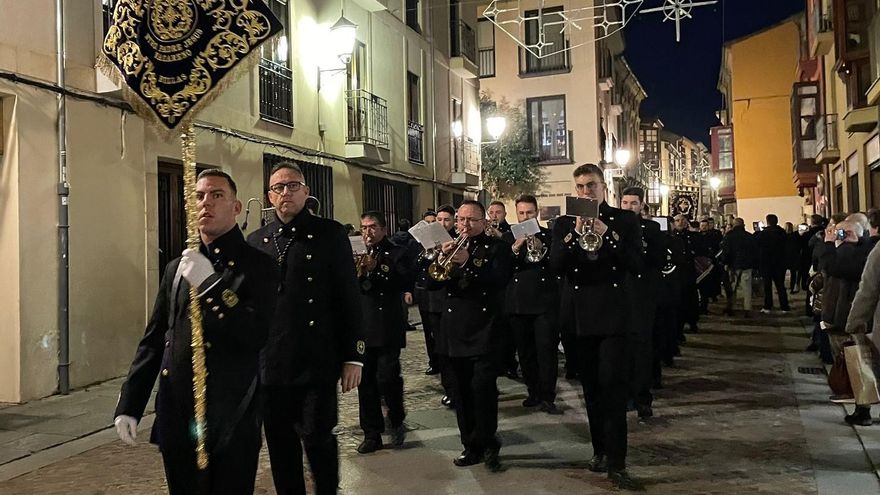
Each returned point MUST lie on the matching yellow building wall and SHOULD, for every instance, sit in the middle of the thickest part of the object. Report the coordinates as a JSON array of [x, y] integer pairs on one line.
[[763, 73]]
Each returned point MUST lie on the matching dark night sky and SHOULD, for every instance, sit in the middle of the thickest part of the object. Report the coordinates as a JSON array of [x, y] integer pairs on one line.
[[681, 78]]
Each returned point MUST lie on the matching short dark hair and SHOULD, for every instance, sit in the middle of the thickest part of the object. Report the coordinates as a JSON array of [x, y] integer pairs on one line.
[[874, 218], [497, 203], [216, 172], [378, 216], [838, 217], [446, 209], [289, 166], [404, 224], [772, 219], [817, 220], [587, 169], [635, 191], [527, 198], [472, 202], [429, 213]]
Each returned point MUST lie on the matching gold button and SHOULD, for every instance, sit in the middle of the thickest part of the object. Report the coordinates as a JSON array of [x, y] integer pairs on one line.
[[207, 345], [309, 279], [615, 285], [167, 343], [380, 308], [215, 308], [165, 372], [311, 301], [449, 310], [484, 309], [209, 300], [216, 250], [220, 316], [516, 280], [312, 323], [308, 256], [231, 263], [310, 236], [576, 287]]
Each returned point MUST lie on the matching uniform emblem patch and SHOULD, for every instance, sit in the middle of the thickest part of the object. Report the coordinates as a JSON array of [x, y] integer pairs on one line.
[[478, 262], [361, 347], [229, 298], [567, 238], [385, 268], [615, 236]]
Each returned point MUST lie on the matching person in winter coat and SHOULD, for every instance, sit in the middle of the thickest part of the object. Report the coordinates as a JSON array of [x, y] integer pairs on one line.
[[792, 255], [772, 263], [738, 253]]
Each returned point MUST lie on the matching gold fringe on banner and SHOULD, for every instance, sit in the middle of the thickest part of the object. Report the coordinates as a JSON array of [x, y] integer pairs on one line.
[[193, 241]]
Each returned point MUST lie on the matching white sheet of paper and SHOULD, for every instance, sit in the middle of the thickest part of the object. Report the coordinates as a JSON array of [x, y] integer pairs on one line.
[[524, 229], [433, 235], [663, 221], [358, 246]]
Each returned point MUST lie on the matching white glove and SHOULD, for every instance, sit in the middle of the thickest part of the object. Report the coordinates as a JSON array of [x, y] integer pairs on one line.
[[195, 267], [126, 428]]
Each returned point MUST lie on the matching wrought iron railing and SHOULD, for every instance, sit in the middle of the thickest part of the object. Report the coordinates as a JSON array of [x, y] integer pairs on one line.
[[415, 142], [276, 92], [826, 133], [469, 159], [464, 41], [822, 20], [487, 62], [558, 62], [367, 118]]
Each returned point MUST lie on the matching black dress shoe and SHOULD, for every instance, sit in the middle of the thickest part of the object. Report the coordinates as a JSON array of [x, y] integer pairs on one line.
[[491, 460], [598, 464], [622, 480], [531, 402], [860, 417], [430, 370], [398, 436], [447, 401], [550, 408], [369, 445], [467, 458]]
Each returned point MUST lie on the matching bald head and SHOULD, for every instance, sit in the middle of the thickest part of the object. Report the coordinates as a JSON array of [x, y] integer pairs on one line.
[[739, 222]]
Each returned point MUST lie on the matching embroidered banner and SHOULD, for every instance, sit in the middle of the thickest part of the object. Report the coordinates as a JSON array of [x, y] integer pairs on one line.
[[173, 53]]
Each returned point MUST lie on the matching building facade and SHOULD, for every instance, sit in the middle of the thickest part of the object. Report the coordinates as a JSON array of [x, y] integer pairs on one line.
[[396, 130], [835, 107], [757, 75], [581, 105]]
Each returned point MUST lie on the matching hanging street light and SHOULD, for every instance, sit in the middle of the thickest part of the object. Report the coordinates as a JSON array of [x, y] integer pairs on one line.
[[457, 129], [622, 157], [496, 126], [343, 35], [715, 183], [664, 190]]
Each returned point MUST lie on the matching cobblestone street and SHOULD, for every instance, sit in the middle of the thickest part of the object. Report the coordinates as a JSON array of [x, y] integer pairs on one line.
[[737, 415]]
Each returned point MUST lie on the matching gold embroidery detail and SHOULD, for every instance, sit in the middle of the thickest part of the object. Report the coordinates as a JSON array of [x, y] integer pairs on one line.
[[229, 298]]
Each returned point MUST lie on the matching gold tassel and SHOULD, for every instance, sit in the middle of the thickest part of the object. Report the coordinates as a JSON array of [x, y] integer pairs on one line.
[[200, 371]]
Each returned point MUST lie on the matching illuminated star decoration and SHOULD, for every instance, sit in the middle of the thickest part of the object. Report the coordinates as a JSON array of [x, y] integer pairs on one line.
[[605, 18], [676, 10]]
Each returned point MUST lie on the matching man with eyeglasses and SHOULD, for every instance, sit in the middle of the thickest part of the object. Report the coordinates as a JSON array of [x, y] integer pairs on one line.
[[598, 305], [316, 337], [479, 273], [236, 290], [385, 277]]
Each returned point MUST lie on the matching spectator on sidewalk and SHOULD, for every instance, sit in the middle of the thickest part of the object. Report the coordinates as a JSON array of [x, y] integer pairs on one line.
[[865, 311], [738, 253], [817, 226], [792, 256], [771, 252]]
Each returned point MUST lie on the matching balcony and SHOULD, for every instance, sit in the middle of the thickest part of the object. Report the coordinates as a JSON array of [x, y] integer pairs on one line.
[[827, 149], [530, 65], [487, 62], [415, 142], [464, 50], [466, 163], [276, 93], [874, 35], [823, 28], [367, 138], [860, 119]]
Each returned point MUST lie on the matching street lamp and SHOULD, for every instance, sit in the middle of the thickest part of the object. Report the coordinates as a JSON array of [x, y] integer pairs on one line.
[[343, 34], [715, 183], [496, 126], [664, 190], [621, 157], [457, 129]]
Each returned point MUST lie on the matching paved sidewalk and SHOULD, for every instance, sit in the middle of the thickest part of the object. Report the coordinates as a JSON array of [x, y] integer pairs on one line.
[[742, 412]]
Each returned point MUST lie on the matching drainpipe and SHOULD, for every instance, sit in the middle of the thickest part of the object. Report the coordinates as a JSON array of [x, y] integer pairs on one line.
[[433, 113], [63, 191]]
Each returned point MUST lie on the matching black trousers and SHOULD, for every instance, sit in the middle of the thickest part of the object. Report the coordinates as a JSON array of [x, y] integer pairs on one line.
[[298, 417], [775, 277], [506, 359], [537, 339], [793, 279], [380, 378], [476, 401], [605, 369], [429, 322], [230, 471]]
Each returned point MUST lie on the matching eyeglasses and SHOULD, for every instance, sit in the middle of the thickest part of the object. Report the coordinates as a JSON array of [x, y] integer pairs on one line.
[[281, 187]]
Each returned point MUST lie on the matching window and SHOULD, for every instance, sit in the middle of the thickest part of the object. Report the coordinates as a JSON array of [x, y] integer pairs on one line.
[[415, 132], [804, 114], [319, 179], [874, 40], [393, 198], [554, 38], [457, 149], [486, 44], [356, 70], [725, 149], [413, 14], [853, 187], [852, 35], [548, 135], [276, 78]]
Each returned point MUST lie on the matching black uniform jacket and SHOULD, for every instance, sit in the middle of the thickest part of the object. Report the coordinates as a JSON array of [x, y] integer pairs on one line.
[[473, 298], [385, 320], [674, 271], [236, 306], [317, 325], [429, 301], [598, 294], [533, 289]]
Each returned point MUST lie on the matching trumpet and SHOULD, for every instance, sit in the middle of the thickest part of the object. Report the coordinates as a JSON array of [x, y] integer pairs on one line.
[[535, 249], [589, 240], [492, 229], [361, 261], [441, 268], [430, 254]]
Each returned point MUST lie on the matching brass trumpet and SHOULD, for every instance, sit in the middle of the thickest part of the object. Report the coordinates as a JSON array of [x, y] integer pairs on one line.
[[535, 249], [589, 240], [362, 260], [441, 268]]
